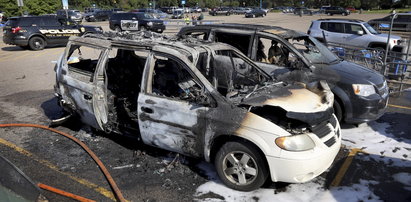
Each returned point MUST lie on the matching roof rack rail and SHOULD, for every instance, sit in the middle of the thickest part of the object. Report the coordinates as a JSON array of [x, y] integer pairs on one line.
[[342, 19]]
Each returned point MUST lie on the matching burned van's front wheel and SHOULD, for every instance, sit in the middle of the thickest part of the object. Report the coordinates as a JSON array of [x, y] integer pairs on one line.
[[241, 166]]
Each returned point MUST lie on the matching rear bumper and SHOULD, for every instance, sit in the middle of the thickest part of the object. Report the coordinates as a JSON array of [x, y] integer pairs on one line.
[[157, 28], [16, 40]]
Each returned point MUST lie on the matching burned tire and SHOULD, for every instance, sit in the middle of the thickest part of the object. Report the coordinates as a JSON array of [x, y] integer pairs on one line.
[[241, 166], [338, 111], [37, 43]]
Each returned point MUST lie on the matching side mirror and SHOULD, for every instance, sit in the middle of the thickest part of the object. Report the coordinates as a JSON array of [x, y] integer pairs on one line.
[[360, 32]]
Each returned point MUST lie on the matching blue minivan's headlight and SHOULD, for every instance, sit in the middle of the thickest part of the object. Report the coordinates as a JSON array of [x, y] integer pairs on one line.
[[363, 89]]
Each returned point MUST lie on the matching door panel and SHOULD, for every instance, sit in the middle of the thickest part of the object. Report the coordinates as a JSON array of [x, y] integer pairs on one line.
[[168, 112], [80, 87], [170, 124]]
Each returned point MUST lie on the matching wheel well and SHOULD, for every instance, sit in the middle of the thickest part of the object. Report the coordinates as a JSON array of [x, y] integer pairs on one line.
[[38, 36], [336, 98], [377, 45], [222, 139]]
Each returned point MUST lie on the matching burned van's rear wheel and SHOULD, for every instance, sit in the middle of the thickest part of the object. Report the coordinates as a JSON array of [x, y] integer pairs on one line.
[[241, 166]]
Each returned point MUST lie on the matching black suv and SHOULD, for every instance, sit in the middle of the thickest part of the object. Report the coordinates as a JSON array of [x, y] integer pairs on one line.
[[36, 32], [135, 21], [360, 94], [98, 15], [336, 10], [74, 15]]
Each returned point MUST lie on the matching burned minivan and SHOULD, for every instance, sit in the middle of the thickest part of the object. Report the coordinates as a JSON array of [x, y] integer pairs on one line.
[[206, 100]]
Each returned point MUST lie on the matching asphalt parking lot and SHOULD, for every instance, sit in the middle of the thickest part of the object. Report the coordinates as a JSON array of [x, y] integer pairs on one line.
[[147, 174]]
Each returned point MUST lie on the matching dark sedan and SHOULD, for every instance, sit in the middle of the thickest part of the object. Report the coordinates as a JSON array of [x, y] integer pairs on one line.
[[255, 13], [135, 21], [401, 23]]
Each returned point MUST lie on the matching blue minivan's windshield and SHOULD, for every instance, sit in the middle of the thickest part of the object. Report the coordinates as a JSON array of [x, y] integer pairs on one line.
[[313, 50]]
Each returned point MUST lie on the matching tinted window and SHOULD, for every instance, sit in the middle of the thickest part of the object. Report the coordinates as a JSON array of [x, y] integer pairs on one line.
[[242, 42], [336, 27], [352, 28], [50, 22], [12, 22], [324, 25]]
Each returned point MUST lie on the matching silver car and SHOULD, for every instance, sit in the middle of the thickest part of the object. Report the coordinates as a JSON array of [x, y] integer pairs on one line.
[[348, 32]]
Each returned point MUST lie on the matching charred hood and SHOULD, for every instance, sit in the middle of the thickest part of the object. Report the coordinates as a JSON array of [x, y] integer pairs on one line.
[[308, 103]]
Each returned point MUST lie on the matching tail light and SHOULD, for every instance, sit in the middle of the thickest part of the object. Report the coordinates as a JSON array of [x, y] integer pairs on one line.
[[15, 30]]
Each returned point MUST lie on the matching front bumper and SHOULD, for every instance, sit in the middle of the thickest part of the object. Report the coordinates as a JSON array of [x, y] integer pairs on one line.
[[299, 167], [365, 109]]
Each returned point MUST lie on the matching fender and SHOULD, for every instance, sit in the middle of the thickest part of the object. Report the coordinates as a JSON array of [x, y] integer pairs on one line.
[[345, 100]]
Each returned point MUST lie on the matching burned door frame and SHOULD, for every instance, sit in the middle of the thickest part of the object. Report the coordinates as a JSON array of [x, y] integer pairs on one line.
[[165, 122], [87, 96], [212, 37]]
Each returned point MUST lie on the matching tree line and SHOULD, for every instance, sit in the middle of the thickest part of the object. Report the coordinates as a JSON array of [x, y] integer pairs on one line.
[[40, 7]]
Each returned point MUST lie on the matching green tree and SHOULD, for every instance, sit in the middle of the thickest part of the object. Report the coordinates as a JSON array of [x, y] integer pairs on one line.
[[9, 8], [40, 7]]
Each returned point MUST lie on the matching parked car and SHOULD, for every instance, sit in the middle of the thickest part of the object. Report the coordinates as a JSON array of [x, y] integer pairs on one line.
[[351, 9], [302, 11], [401, 23], [154, 12], [361, 94], [135, 21], [241, 10], [73, 15], [336, 10], [255, 13], [98, 15], [177, 14], [205, 100], [355, 33], [37, 32], [220, 11]]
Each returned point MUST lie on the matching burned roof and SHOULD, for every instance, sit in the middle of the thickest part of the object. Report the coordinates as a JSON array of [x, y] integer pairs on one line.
[[282, 32], [149, 40]]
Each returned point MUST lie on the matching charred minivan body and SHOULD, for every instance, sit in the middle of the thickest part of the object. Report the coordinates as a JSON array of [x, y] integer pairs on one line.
[[361, 94], [205, 100]]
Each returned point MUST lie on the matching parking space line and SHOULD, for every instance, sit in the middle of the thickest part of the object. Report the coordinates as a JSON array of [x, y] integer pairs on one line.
[[338, 178], [108, 194], [399, 106]]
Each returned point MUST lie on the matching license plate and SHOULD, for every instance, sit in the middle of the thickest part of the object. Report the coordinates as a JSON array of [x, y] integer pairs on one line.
[[159, 30]]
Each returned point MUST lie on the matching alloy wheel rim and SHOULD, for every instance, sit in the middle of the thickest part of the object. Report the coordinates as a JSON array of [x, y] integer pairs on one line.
[[240, 168]]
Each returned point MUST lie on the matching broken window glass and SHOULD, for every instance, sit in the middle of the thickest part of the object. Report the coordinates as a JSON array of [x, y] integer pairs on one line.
[[313, 50], [82, 62]]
